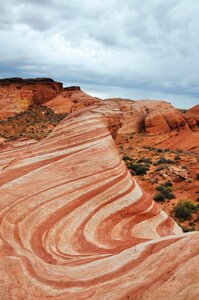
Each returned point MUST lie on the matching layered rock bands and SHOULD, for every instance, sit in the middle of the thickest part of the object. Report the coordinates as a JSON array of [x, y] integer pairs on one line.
[[76, 225]]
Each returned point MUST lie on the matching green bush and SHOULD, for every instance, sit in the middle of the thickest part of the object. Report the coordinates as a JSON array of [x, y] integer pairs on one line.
[[177, 157], [138, 169], [166, 191], [184, 209], [144, 160], [159, 197], [190, 205], [126, 158], [163, 160], [159, 150], [168, 184], [182, 212]]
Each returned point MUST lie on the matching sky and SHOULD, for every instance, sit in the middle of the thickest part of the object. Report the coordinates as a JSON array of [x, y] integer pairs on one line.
[[117, 48]]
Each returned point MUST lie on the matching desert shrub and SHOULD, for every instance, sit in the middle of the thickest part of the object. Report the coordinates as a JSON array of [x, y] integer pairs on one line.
[[170, 161], [159, 150], [190, 205], [168, 183], [126, 157], [182, 212], [177, 157], [144, 160], [163, 160], [197, 176], [166, 191], [159, 197], [138, 169], [184, 209]]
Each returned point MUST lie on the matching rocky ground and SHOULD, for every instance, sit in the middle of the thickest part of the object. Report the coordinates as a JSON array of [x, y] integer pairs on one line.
[[162, 165], [34, 123]]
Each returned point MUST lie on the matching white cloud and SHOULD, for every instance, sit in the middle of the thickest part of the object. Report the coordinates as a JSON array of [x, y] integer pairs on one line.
[[138, 49]]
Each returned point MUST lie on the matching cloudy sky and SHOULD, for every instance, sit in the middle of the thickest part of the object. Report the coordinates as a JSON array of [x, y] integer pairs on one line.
[[117, 48]]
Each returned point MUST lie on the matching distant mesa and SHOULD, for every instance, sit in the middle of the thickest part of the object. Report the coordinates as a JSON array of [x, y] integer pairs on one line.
[[14, 80]]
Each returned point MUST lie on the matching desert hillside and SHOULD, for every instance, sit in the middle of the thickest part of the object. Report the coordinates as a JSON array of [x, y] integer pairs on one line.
[[99, 198]]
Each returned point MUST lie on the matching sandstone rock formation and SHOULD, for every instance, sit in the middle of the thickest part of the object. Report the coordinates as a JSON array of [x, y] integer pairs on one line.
[[168, 126], [192, 117], [71, 99], [17, 95], [150, 116], [76, 225]]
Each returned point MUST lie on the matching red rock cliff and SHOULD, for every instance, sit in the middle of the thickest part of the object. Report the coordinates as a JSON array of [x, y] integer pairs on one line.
[[17, 94]]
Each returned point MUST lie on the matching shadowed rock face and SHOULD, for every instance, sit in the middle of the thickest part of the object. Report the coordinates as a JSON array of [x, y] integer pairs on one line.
[[72, 88], [76, 225], [18, 80], [192, 117]]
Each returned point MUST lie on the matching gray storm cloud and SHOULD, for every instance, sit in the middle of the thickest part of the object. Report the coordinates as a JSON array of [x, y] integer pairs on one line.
[[134, 49]]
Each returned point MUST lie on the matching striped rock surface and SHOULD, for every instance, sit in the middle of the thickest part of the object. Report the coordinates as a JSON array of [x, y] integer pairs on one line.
[[76, 225]]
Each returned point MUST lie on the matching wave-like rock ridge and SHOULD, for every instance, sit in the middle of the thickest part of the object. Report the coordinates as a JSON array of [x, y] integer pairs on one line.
[[76, 225]]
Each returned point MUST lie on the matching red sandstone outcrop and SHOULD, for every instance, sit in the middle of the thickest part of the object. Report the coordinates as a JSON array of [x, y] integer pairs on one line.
[[76, 225], [71, 99], [150, 116], [17, 95], [192, 117]]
